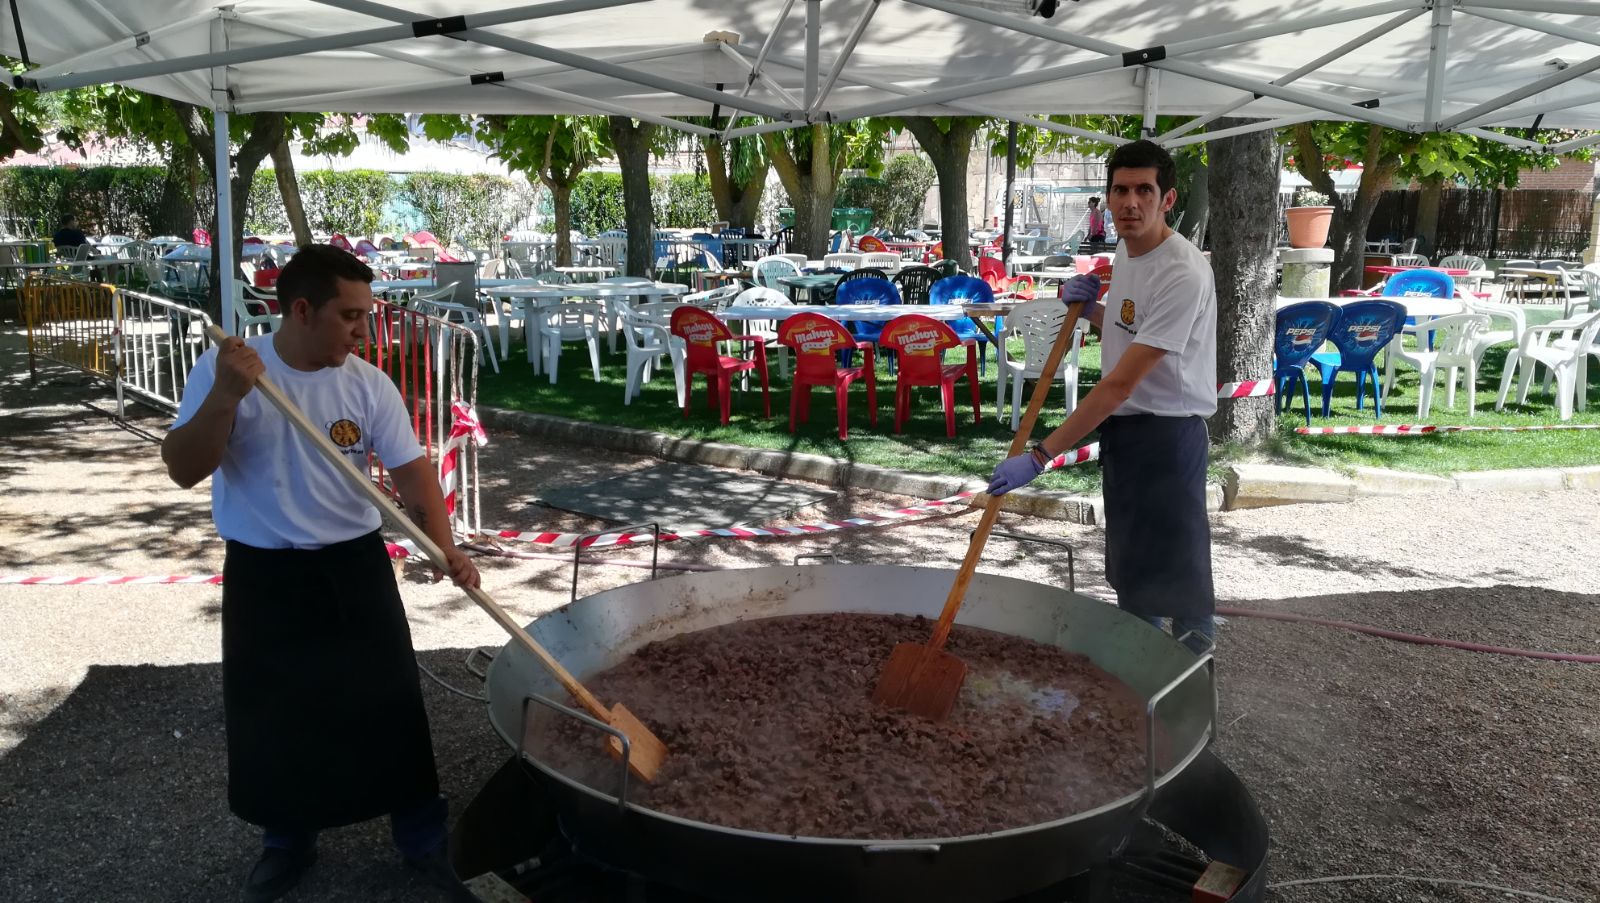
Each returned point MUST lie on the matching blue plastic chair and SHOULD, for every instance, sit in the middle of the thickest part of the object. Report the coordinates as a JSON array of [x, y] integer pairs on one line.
[[1420, 284], [1363, 329], [865, 291], [963, 289], [1300, 331]]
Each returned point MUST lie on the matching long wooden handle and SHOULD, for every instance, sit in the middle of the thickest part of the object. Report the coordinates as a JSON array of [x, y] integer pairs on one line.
[[345, 466], [991, 508]]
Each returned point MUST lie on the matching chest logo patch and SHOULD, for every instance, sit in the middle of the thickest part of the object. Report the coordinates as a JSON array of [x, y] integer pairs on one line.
[[1127, 311], [344, 433]]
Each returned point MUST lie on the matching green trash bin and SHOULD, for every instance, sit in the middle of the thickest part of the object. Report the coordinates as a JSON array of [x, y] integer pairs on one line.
[[856, 219], [786, 217]]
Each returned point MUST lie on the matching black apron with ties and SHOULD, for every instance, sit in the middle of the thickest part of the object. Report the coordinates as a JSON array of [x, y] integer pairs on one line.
[[1158, 538], [319, 686]]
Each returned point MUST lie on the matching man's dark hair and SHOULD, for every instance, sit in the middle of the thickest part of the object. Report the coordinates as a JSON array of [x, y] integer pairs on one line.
[[1144, 154], [69, 221], [312, 273]]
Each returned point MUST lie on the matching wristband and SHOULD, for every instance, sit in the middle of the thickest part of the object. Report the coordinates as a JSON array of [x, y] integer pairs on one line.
[[1042, 454]]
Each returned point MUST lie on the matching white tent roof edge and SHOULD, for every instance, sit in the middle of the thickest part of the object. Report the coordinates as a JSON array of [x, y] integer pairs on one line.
[[1217, 71]]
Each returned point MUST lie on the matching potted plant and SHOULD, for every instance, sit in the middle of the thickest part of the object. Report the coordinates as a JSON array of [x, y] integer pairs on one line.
[[1309, 219]]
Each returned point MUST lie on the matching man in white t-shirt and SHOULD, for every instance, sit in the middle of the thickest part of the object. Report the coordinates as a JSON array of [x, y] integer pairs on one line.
[[1158, 325], [324, 715]]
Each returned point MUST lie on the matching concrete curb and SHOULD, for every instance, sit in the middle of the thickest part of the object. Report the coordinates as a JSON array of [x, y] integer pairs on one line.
[[792, 465]]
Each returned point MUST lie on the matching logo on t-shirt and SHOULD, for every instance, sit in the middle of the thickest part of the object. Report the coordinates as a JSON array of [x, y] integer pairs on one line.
[[344, 433], [1127, 311]]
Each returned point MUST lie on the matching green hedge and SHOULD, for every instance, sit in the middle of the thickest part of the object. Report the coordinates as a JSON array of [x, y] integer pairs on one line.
[[125, 200], [896, 198], [679, 201], [475, 210]]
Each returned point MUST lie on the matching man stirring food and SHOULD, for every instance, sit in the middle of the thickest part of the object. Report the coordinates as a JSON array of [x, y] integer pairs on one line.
[[322, 704], [1159, 364]]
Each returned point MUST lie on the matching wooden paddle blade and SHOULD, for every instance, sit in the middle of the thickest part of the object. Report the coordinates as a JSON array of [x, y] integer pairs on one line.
[[920, 680], [646, 752]]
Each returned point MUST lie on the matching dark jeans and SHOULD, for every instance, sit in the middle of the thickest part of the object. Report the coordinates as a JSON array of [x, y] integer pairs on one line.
[[1204, 626], [416, 832]]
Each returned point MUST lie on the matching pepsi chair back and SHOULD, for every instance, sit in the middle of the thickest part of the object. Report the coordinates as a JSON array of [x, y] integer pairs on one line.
[[875, 290], [1420, 284], [1298, 334], [961, 289]]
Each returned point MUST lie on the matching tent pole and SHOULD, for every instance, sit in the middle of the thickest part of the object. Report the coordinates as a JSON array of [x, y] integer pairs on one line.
[[1508, 140], [1484, 112], [278, 102], [763, 128], [1257, 126], [1342, 50], [235, 56], [984, 86], [1510, 113], [1565, 7], [813, 50], [980, 109], [1011, 181], [755, 68], [1438, 52], [1152, 96], [224, 237], [844, 55], [758, 73], [1532, 24], [1567, 147], [131, 42], [573, 60]]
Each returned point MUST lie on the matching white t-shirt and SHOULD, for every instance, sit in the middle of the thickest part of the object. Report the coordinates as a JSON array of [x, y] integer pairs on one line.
[[1167, 299], [273, 490]]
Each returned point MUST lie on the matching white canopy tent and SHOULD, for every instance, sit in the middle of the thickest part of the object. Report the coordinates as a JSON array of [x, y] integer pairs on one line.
[[1416, 65]]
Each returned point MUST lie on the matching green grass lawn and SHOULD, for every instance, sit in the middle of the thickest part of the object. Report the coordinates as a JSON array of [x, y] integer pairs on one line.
[[924, 448]]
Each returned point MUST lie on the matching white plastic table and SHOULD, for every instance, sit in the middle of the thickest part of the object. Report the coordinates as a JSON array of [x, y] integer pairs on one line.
[[528, 297]]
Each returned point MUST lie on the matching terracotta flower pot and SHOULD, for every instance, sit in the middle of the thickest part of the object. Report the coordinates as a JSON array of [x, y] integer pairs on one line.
[[1308, 226]]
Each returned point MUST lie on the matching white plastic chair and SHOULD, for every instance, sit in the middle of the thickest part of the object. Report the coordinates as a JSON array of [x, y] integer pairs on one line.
[[1491, 337], [798, 260], [1410, 260], [647, 339], [1038, 323], [766, 329], [568, 321], [768, 270], [251, 316], [888, 261], [469, 316], [1566, 358], [1453, 341], [843, 260], [1591, 291], [715, 299]]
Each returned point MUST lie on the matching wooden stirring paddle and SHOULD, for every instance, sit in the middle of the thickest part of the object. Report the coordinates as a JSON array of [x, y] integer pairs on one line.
[[924, 679], [646, 752]]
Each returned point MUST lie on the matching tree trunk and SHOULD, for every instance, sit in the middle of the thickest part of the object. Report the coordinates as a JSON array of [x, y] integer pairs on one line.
[[289, 187], [949, 152], [266, 131], [748, 206], [178, 187], [1351, 216], [737, 202], [811, 186], [632, 143], [561, 196], [1428, 217], [1245, 168]]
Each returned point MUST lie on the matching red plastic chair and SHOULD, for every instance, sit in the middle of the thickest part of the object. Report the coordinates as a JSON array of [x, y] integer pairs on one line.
[[1023, 287], [701, 333], [920, 343], [934, 253], [871, 244], [201, 237], [993, 271], [339, 241], [816, 341]]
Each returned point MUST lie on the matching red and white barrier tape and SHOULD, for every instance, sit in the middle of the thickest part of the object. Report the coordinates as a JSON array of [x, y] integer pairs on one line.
[[407, 549], [1250, 388], [1406, 429], [464, 429], [107, 580]]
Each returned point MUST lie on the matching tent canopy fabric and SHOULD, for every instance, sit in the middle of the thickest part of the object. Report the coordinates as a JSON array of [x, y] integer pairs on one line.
[[1416, 64]]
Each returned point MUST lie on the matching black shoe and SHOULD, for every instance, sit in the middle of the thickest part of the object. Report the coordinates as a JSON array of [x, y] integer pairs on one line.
[[276, 873], [434, 867]]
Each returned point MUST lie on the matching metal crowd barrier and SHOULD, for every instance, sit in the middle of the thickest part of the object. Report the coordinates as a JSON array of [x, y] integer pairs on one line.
[[160, 341], [434, 363], [72, 323]]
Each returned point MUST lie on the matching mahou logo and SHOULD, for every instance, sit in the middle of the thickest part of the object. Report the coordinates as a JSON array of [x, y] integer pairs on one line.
[[814, 341], [700, 333], [922, 341]]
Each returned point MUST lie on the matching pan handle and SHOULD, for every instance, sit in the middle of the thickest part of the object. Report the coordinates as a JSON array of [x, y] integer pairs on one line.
[[1072, 569], [582, 543], [476, 653], [597, 724], [1206, 661]]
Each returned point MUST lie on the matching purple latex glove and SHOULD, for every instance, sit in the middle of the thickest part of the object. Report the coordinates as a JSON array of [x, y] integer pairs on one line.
[[1085, 288], [1014, 473]]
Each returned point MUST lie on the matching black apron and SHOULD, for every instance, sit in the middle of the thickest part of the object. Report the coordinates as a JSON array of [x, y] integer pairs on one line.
[[319, 687], [1158, 538]]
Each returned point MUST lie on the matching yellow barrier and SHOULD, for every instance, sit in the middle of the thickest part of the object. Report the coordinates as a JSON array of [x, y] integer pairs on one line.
[[73, 323]]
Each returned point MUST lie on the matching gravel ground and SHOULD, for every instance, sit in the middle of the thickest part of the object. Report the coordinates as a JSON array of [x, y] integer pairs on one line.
[[1368, 756]]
